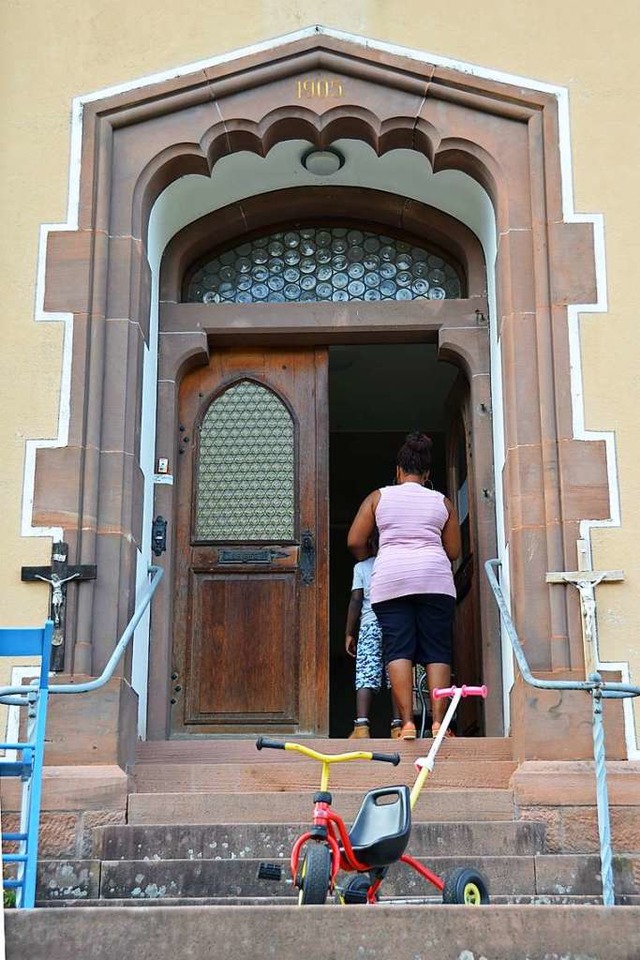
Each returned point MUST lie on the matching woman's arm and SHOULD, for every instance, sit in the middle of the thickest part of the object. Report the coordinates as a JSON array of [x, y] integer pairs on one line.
[[363, 526], [451, 539]]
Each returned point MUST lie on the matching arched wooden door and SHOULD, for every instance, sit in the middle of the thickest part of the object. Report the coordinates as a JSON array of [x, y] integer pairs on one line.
[[249, 637]]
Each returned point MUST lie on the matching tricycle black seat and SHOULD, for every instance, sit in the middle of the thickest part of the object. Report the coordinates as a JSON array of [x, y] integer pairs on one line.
[[380, 832]]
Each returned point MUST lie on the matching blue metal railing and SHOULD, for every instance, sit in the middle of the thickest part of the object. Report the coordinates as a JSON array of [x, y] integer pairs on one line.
[[599, 690], [35, 698]]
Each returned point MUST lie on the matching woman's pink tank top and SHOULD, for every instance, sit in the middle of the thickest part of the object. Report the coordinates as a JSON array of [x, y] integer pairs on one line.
[[411, 559]]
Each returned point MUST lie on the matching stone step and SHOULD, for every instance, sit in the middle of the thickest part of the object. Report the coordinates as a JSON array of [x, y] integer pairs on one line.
[[287, 807], [237, 750], [508, 932], [236, 766], [539, 875], [287, 901], [251, 840], [304, 774]]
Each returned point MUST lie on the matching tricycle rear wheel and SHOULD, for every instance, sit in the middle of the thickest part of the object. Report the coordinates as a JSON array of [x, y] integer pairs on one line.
[[464, 885], [355, 890]]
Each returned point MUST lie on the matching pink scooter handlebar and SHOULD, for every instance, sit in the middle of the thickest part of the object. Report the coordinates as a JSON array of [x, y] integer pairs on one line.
[[440, 692]]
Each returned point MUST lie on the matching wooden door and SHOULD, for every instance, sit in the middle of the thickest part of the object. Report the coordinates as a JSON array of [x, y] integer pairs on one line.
[[250, 648], [467, 654]]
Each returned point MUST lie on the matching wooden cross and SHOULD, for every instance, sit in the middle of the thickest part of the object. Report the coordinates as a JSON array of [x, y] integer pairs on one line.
[[57, 576], [586, 580]]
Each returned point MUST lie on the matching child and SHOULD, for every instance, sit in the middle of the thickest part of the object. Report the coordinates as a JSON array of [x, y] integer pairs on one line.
[[366, 647]]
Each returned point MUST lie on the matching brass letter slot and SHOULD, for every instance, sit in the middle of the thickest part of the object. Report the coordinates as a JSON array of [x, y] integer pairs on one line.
[[249, 555]]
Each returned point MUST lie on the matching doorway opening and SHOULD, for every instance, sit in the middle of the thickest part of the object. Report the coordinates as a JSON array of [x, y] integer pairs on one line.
[[377, 394]]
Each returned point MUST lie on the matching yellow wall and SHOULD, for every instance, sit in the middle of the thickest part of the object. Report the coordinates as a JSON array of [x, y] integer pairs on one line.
[[54, 50]]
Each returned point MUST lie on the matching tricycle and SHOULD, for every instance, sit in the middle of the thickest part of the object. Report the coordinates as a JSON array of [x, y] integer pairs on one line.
[[379, 835]]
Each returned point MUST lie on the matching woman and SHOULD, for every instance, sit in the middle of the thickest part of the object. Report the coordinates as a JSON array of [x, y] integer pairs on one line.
[[412, 589]]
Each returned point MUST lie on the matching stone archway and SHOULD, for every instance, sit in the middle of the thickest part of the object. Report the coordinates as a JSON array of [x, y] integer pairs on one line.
[[137, 143], [191, 334]]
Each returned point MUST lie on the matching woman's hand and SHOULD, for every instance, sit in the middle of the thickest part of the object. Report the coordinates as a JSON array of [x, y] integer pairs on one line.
[[350, 645]]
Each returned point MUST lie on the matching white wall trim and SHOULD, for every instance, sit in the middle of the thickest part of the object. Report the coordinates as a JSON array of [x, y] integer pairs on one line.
[[633, 753], [64, 404]]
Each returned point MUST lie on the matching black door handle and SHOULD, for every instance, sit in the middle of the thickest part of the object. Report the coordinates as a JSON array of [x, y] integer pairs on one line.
[[307, 557]]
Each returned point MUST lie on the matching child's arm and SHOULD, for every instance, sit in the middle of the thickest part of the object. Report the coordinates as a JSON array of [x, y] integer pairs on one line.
[[353, 615]]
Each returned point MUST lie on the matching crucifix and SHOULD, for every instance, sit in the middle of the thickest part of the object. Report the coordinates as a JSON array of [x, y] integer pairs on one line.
[[586, 581], [58, 575]]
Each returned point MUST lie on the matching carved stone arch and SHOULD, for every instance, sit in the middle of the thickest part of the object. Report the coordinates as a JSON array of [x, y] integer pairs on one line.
[[177, 160], [136, 143], [455, 153]]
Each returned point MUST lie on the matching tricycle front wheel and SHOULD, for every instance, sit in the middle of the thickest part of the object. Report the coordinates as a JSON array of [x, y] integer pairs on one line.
[[467, 886], [314, 874]]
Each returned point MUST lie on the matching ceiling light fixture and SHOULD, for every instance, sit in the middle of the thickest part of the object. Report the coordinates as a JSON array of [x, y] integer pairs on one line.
[[322, 163]]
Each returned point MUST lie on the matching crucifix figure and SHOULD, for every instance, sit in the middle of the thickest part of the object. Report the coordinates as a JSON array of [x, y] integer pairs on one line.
[[57, 595], [586, 580], [57, 576]]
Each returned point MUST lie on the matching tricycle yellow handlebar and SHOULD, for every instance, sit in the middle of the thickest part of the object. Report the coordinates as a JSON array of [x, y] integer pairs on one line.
[[326, 759]]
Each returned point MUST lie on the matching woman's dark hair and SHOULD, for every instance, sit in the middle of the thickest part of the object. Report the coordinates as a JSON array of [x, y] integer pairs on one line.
[[414, 455]]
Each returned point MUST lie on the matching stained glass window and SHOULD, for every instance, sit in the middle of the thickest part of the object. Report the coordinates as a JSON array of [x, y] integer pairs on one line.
[[324, 263], [246, 475]]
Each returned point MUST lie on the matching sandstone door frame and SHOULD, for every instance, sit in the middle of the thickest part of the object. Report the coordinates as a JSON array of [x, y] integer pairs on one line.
[[190, 333], [135, 143]]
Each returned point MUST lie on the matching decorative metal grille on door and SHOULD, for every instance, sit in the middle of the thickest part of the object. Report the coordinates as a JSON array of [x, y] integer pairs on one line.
[[334, 264], [246, 467]]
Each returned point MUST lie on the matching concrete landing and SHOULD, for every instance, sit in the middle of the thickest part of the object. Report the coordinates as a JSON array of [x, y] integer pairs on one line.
[[318, 933]]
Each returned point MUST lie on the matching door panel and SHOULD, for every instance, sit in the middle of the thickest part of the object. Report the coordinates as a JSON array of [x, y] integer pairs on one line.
[[250, 625], [235, 670]]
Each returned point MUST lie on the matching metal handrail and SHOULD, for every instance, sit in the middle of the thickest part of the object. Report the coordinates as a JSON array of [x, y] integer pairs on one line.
[[8, 695], [599, 690]]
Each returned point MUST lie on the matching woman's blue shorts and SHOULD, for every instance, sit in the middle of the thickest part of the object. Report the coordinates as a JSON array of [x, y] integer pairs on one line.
[[417, 627]]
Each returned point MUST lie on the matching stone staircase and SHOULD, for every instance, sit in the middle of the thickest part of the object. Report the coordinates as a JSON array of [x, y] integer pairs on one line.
[[203, 814]]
